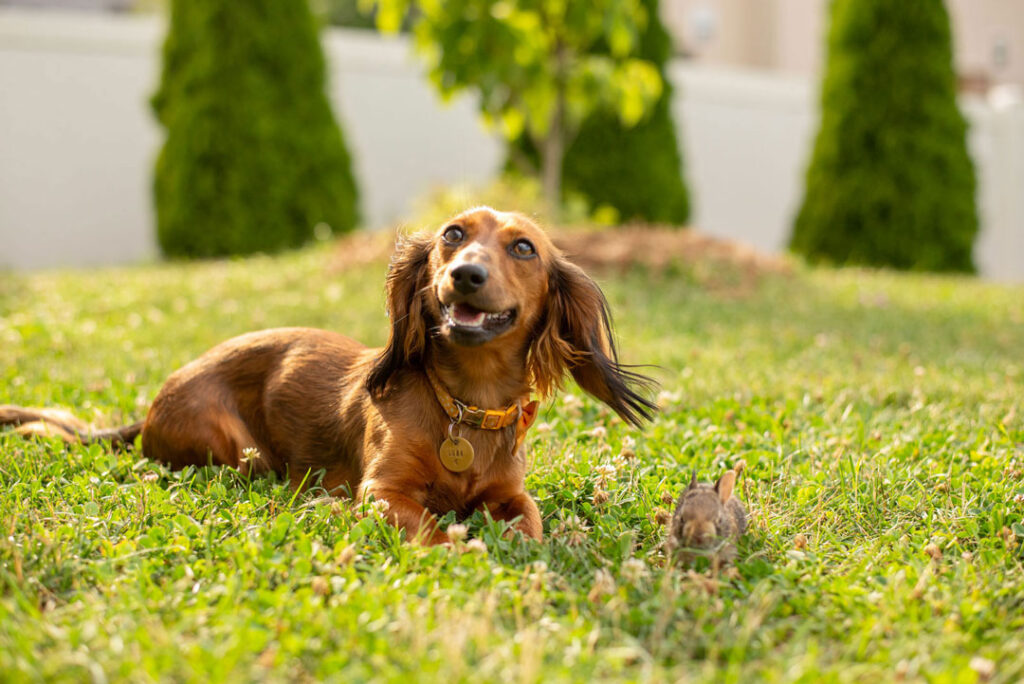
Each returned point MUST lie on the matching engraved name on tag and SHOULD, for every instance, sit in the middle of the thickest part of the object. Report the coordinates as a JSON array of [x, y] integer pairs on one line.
[[456, 454]]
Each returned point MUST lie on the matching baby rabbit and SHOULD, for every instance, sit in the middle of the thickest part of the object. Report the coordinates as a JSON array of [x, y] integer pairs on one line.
[[708, 516]]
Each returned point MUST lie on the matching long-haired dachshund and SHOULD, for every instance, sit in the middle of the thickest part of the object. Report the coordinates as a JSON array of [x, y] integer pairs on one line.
[[483, 312]]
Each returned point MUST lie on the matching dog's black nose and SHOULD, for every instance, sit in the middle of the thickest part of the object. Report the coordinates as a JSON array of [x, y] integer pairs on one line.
[[469, 278]]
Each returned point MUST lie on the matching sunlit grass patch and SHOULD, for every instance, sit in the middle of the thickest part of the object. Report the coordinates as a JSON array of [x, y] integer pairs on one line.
[[880, 417]]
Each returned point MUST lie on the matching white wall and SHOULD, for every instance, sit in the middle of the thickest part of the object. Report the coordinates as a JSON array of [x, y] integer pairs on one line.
[[790, 35], [76, 139], [404, 140], [77, 142], [747, 138], [997, 145]]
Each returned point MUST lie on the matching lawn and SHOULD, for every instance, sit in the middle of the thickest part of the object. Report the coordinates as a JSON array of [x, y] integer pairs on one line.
[[881, 417]]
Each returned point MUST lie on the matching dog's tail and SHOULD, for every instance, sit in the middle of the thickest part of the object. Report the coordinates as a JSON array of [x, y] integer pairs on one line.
[[56, 423]]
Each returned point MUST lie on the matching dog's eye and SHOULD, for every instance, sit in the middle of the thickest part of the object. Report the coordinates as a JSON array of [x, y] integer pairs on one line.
[[523, 249], [453, 235]]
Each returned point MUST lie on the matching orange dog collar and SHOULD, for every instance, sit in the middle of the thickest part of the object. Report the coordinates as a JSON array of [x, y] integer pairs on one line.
[[459, 412]]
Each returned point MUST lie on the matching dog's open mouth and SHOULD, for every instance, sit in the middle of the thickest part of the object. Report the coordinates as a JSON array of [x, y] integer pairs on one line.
[[468, 316], [472, 325]]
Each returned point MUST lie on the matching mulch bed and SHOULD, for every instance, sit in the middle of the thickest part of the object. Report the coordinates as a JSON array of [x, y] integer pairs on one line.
[[722, 266]]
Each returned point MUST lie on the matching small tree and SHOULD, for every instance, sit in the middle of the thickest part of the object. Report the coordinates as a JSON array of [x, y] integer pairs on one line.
[[635, 169], [890, 181], [534, 65], [253, 159]]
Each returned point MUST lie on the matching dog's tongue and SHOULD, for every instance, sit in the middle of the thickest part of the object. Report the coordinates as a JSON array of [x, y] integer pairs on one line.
[[468, 315]]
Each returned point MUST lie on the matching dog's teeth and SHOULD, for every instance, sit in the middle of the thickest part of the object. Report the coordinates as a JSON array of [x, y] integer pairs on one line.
[[460, 316], [473, 320]]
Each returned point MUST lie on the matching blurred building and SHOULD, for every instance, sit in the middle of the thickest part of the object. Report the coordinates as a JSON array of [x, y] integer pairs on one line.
[[789, 36]]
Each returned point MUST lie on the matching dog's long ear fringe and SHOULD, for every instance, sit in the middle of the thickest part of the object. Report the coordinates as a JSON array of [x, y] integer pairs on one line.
[[576, 335], [408, 337]]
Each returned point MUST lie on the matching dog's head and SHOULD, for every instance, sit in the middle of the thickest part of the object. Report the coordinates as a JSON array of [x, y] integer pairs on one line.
[[489, 278]]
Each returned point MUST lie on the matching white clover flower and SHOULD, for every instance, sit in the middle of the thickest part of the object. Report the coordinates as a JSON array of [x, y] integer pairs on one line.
[[476, 546], [665, 398], [634, 570], [573, 530], [604, 584], [605, 473], [377, 507], [250, 454], [457, 532]]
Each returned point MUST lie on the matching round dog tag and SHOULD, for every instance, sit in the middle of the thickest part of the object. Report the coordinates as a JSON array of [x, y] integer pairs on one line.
[[456, 454]]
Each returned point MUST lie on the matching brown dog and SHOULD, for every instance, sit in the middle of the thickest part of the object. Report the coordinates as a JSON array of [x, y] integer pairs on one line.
[[483, 312]]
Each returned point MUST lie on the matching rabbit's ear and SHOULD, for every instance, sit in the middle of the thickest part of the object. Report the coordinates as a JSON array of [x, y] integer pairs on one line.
[[725, 484], [693, 480], [739, 466]]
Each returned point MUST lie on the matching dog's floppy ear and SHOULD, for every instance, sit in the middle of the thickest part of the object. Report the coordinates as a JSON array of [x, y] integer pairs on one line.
[[407, 276], [575, 334]]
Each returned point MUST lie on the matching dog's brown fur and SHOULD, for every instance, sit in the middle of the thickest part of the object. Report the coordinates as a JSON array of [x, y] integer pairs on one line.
[[295, 400]]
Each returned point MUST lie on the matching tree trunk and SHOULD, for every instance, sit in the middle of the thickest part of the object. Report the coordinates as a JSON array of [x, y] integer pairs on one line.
[[552, 148], [552, 152]]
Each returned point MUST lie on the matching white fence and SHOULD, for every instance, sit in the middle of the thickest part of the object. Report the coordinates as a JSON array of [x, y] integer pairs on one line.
[[77, 142], [78, 139], [748, 136]]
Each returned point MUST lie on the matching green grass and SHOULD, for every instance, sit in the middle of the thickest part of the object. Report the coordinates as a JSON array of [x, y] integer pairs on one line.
[[878, 414]]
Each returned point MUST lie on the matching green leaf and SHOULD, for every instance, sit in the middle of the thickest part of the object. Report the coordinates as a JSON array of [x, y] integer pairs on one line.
[[280, 528]]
